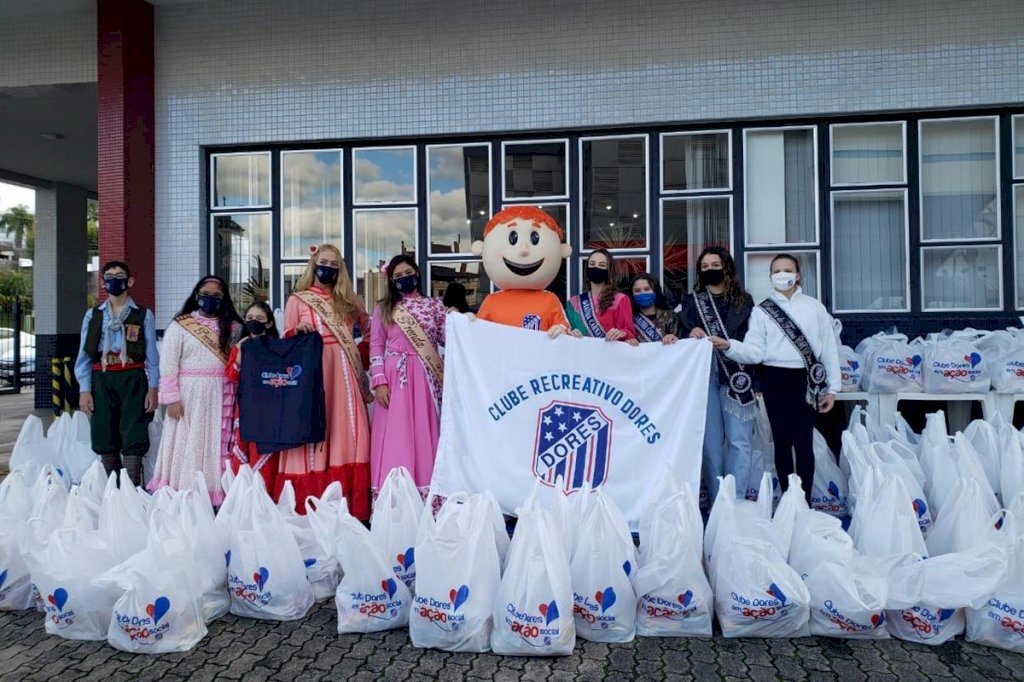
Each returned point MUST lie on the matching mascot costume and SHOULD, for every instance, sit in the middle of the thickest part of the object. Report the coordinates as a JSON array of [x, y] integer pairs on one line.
[[522, 251]]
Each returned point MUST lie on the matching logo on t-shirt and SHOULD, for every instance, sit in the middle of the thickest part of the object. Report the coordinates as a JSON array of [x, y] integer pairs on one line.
[[281, 379], [531, 321]]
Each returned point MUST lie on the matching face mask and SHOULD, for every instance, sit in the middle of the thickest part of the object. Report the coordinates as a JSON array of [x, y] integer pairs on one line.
[[711, 277], [209, 304], [645, 300], [597, 275], [255, 327], [407, 284], [116, 285], [326, 274], [783, 281]]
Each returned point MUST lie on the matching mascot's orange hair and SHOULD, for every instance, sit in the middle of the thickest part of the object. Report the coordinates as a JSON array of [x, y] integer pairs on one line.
[[531, 213]]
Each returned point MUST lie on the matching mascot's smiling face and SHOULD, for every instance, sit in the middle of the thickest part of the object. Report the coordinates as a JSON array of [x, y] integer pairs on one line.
[[522, 248]]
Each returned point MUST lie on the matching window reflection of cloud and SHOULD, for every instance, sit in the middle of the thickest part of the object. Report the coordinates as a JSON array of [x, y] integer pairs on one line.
[[448, 218], [379, 236], [312, 200], [382, 175], [233, 175], [447, 168]]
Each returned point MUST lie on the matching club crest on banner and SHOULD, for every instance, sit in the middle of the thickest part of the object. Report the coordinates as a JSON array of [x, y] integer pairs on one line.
[[573, 443]]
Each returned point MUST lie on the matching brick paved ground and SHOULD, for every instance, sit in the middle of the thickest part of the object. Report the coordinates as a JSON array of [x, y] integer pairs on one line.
[[241, 649]]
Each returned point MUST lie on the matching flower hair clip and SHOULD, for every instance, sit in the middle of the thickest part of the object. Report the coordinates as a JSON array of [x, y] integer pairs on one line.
[[384, 268], [313, 249]]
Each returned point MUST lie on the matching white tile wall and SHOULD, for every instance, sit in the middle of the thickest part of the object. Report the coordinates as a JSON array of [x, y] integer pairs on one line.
[[245, 71], [43, 49]]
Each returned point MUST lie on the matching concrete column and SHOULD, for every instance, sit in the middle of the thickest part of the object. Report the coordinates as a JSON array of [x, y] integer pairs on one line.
[[59, 279]]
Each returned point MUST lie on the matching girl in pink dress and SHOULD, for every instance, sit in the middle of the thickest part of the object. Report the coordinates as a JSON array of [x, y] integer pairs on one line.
[[405, 365], [324, 302], [199, 400]]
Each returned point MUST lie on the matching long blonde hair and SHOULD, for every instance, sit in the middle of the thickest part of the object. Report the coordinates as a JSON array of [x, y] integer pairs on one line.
[[343, 296]]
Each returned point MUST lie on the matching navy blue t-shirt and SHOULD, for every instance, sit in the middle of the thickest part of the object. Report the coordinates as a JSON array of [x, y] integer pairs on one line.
[[281, 392]]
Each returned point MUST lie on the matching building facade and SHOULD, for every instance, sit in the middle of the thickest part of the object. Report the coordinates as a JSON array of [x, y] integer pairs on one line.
[[881, 142]]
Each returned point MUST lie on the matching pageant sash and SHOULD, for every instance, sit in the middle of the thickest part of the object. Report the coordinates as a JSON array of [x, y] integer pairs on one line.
[[590, 316], [425, 349], [341, 332], [817, 384], [741, 387], [647, 329], [204, 335]]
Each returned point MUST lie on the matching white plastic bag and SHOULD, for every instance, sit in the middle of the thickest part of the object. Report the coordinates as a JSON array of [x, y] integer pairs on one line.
[[322, 570], [34, 448], [891, 365], [266, 574], [123, 516], [458, 578], [533, 607], [964, 522], [602, 569], [76, 447], [884, 520], [849, 361], [370, 597], [756, 593], [1011, 459], [396, 515], [762, 458], [953, 364], [818, 538], [160, 608], [846, 602], [1005, 356], [999, 622], [15, 509], [927, 598], [675, 597], [62, 572], [829, 490]]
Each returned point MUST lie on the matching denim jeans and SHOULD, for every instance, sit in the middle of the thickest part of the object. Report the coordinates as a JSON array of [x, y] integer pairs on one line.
[[727, 441]]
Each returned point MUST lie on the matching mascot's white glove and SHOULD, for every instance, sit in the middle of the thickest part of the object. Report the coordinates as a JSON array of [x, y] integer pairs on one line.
[[557, 331]]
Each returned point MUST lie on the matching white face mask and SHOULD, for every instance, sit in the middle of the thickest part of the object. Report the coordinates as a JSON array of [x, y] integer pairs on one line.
[[783, 281]]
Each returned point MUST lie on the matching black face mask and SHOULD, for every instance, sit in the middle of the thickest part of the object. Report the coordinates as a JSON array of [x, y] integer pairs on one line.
[[255, 327], [407, 284], [116, 286], [597, 275], [711, 277], [326, 274], [209, 304]]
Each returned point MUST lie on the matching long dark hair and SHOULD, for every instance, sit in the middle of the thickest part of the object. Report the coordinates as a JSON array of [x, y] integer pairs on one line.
[[612, 288], [735, 294], [659, 296], [227, 319], [455, 297], [272, 331], [393, 295]]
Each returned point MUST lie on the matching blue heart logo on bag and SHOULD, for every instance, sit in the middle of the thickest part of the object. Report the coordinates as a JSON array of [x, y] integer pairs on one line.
[[389, 587], [458, 597], [946, 614], [309, 562], [3, 578], [158, 609], [627, 567], [853, 364], [915, 360], [227, 558], [606, 598], [294, 371], [974, 359], [685, 598], [920, 507], [774, 591], [407, 558], [59, 598], [833, 489], [261, 577], [549, 611]]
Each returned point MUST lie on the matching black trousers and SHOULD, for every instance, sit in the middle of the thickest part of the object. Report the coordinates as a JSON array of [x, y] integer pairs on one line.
[[792, 421], [120, 423]]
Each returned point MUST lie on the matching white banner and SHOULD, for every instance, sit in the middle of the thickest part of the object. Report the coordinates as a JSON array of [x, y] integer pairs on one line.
[[519, 407]]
